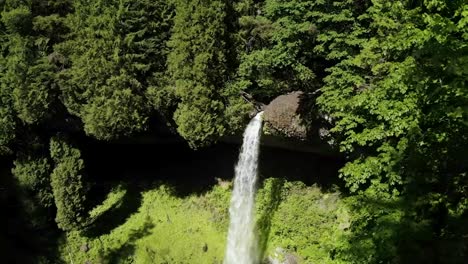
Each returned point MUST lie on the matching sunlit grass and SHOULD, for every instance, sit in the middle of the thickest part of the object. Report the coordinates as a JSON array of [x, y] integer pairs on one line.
[[292, 219], [165, 229]]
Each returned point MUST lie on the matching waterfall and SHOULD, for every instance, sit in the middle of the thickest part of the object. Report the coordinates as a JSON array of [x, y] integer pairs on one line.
[[242, 240]]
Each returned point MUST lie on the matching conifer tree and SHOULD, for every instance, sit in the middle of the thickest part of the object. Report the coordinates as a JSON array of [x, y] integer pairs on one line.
[[32, 169], [277, 42], [67, 185], [29, 31], [114, 49], [197, 68]]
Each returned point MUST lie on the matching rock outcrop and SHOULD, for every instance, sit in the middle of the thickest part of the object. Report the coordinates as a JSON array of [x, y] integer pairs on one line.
[[289, 123], [282, 117]]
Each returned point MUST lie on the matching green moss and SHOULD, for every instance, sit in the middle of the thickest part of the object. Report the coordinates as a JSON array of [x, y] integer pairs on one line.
[[302, 221], [268, 130], [292, 219], [165, 229], [112, 200]]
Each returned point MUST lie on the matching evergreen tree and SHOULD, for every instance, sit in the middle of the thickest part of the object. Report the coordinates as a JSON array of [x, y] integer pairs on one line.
[[29, 30], [197, 68], [278, 39], [67, 185], [114, 49], [32, 171], [343, 27]]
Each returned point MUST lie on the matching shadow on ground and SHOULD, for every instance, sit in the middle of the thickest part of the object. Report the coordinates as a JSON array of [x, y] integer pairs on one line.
[[125, 253], [117, 215]]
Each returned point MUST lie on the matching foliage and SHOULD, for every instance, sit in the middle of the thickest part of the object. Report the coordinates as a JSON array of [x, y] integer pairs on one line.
[[397, 107], [216, 202], [7, 123], [25, 236], [187, 234], [114, 197], [165, 228], [390, 76], [277, 39], [67, 185], [28, 70], [303, 221], [197, 68], [109, 67], [342, 27], [33, 173]]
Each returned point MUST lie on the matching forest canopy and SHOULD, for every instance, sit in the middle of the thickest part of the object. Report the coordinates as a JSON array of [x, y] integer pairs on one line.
[[391, 76]]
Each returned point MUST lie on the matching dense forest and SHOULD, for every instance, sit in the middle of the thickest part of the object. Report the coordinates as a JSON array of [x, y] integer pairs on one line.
[[389, 79]]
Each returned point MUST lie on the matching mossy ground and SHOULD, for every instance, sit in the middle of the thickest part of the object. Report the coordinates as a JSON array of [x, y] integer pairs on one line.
[[166, 228]]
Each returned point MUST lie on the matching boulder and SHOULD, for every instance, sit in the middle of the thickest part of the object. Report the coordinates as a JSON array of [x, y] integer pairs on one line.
[[289, 123], [282, 117]]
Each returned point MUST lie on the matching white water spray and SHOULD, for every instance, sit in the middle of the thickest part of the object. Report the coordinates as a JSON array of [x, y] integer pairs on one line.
[[242, 242]]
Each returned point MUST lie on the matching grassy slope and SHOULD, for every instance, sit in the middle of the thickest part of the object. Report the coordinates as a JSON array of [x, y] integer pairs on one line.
[[291, 218]]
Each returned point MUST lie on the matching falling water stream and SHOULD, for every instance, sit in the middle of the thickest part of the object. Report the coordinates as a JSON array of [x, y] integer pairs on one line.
[[242, 241]]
